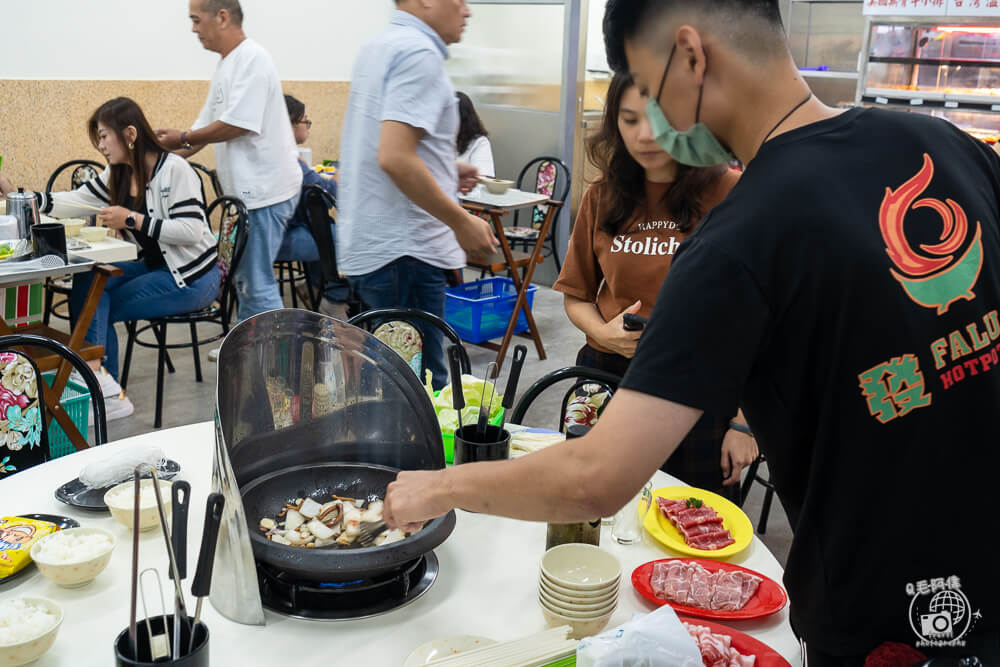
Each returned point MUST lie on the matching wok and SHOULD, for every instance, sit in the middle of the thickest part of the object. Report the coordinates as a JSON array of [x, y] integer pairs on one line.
[[267, 495]]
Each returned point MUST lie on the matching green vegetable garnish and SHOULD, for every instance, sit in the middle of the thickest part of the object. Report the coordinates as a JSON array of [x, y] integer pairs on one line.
[[692, 502]]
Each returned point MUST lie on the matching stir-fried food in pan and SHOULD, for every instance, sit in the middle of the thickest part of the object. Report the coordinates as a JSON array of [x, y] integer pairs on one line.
[[309, 524]]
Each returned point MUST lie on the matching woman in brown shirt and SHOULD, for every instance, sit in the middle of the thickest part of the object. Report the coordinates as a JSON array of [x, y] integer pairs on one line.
[[628, 227]]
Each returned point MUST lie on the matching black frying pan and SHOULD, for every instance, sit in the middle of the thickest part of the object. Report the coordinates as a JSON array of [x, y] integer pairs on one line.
[[267, 495]]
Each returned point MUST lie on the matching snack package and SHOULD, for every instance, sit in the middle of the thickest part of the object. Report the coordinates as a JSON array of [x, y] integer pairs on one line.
[[17, 535]]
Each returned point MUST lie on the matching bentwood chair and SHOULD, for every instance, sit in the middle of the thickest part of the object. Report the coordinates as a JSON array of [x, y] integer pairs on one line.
[[544, 175], [232, 216], [79, 172], [209, 176], [754, 475], [24, 420], [402, 330], [584, 400]]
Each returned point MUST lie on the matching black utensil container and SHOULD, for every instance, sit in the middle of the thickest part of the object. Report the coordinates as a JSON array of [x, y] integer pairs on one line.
[[198, 657], [495, 445]]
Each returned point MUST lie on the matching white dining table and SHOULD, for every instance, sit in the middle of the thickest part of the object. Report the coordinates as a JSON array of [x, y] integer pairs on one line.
[[487, 585]]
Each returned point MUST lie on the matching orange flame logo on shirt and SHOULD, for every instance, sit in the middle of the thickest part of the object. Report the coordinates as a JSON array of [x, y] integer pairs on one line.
[[934, 278]]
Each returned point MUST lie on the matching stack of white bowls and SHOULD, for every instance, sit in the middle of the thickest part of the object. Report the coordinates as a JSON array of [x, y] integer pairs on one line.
[[578, 586]]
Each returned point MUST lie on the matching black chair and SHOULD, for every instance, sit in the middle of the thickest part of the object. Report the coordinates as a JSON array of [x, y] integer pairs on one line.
[[581, 374], [232, 242], [371, 320], [80, 171], [28, 456], [754, 475], [548, 175], [212, 177], [317, 204]]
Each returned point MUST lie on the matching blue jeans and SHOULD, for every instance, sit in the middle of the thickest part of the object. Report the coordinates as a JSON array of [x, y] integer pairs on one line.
[[300, 246], [138, 294], [410, 283], [256, 287]]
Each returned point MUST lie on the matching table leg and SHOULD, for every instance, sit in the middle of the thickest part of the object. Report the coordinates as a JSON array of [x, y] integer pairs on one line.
[[522, 286], [101, 274]]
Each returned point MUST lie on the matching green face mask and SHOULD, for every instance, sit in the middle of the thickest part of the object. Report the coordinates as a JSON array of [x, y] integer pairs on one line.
[[697, 147]]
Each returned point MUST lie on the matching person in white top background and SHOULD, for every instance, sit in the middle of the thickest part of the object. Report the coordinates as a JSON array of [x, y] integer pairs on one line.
[[244, 117], [473, 139]]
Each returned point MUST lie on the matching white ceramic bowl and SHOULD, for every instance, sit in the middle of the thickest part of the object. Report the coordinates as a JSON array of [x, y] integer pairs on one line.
[[581, 627], [580, 567], [93, 234], [496, 186], [582, 597], [73, 226], [122, 508], [30, 650], [74, 573], [571, 601], [558, 605]]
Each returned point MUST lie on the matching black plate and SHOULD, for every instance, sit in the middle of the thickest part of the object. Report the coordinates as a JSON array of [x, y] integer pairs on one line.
[[76, 494], [63, 522]]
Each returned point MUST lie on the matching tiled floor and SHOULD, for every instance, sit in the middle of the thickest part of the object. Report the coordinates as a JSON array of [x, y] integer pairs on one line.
[[186, 401]]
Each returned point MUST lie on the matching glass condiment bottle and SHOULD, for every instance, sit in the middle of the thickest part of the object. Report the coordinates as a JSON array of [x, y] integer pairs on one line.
[[585, 532]]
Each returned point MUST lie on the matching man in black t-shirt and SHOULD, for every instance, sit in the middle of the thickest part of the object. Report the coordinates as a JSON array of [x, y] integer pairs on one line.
[[846, 295]]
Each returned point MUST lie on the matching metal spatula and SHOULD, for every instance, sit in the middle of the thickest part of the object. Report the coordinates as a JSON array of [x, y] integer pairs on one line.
[[368, 531]]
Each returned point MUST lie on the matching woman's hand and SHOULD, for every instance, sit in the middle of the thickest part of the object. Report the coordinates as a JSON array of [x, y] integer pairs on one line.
[[5, 185], [614, 337], [738, 451], [468, 176], [113, 217]]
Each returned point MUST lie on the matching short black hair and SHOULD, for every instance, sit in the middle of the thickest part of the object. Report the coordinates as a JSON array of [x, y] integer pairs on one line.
[[625, 19], [296, 109]]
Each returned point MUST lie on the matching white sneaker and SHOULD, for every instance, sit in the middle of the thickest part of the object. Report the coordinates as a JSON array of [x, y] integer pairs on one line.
[[118, 407], [213, 354], [109, 387]]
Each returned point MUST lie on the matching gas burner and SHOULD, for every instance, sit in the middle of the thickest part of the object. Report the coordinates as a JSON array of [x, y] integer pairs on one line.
[[348, 600]]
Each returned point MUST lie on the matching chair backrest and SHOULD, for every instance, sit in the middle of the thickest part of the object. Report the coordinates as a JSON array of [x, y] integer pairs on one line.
[[545, 175], [583, 376], [317, 203], [80, 171], [211, 176], [401, 322], [232, 218], [23, 420]]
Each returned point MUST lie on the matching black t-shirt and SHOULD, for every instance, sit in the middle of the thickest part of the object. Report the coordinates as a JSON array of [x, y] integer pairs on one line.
[[845, 294], [149, 249]]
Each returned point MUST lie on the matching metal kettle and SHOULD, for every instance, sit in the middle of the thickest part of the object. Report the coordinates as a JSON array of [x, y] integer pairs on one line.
[[23, 206]]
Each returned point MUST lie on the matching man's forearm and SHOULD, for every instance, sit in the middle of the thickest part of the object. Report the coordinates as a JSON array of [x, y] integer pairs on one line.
[[409, 173], [217, 132], [582, 479]]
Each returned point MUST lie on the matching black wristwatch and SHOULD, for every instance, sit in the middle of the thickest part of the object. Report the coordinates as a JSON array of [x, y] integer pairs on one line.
[[740, 428], [130, 222], [185, 144]]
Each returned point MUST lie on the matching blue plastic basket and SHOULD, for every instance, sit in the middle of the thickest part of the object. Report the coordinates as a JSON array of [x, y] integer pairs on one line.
[[76, 402], [479, 311]]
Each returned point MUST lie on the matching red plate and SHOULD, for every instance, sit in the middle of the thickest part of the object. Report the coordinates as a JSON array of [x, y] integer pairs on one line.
[[744, 643], [769, 598]]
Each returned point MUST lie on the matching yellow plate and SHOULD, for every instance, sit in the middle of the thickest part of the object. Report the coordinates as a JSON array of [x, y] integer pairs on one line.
[[733, 519]]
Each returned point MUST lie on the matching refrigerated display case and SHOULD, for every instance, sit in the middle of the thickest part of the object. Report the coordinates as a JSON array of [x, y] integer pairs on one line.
[[943, 66]]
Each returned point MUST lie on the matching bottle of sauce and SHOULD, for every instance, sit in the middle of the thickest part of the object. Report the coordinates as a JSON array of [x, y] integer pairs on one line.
[[586, 532]]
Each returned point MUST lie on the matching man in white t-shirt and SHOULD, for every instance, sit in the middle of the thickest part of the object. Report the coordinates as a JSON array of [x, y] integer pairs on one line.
[[245, 118]]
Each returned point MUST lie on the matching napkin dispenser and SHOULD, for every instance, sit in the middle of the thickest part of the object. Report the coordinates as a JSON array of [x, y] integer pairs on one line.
[[8, 228]]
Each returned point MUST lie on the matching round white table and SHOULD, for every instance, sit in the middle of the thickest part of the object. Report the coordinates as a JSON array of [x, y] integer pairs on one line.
[[487, 584]]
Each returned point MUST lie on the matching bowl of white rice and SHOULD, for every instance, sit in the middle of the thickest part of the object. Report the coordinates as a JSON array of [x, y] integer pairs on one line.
[[28, 627], [121, 501], [73, 557]]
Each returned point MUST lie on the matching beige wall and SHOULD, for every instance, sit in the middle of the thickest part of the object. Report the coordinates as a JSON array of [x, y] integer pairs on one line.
[[43, 123]]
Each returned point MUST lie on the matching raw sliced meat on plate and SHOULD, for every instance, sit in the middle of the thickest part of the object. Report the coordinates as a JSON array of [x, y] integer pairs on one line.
[[688, 532], [716, 648], [696, 516], [712, 541]]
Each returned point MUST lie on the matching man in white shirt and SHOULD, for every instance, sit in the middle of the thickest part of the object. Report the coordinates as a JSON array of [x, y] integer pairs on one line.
[[401, 227], [245, 118]]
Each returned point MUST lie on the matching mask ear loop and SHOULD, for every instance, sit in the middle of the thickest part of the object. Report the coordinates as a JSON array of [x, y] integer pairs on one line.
[[665, 71], [701, 89]]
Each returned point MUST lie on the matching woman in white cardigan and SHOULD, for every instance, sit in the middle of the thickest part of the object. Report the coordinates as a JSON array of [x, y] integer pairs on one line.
[[473, 141], [154, 199]]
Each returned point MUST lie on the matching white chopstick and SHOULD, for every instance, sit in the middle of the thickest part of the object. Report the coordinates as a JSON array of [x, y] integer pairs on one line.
[[544, 646]]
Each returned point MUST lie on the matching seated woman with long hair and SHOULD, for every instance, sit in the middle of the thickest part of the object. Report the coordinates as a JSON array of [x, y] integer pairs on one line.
[[154, 199], [630, 222]]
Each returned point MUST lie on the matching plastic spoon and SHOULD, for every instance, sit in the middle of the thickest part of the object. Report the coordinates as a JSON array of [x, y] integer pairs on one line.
[[458, 398], [201, 585], [520, 352]]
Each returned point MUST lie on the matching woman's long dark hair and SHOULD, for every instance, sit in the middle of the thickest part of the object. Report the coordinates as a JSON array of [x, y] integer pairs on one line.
[[624, 179], [118, 114], [470, 125]]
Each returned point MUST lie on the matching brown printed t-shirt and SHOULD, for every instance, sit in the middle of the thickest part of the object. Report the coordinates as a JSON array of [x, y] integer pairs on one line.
[[616, 271]]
